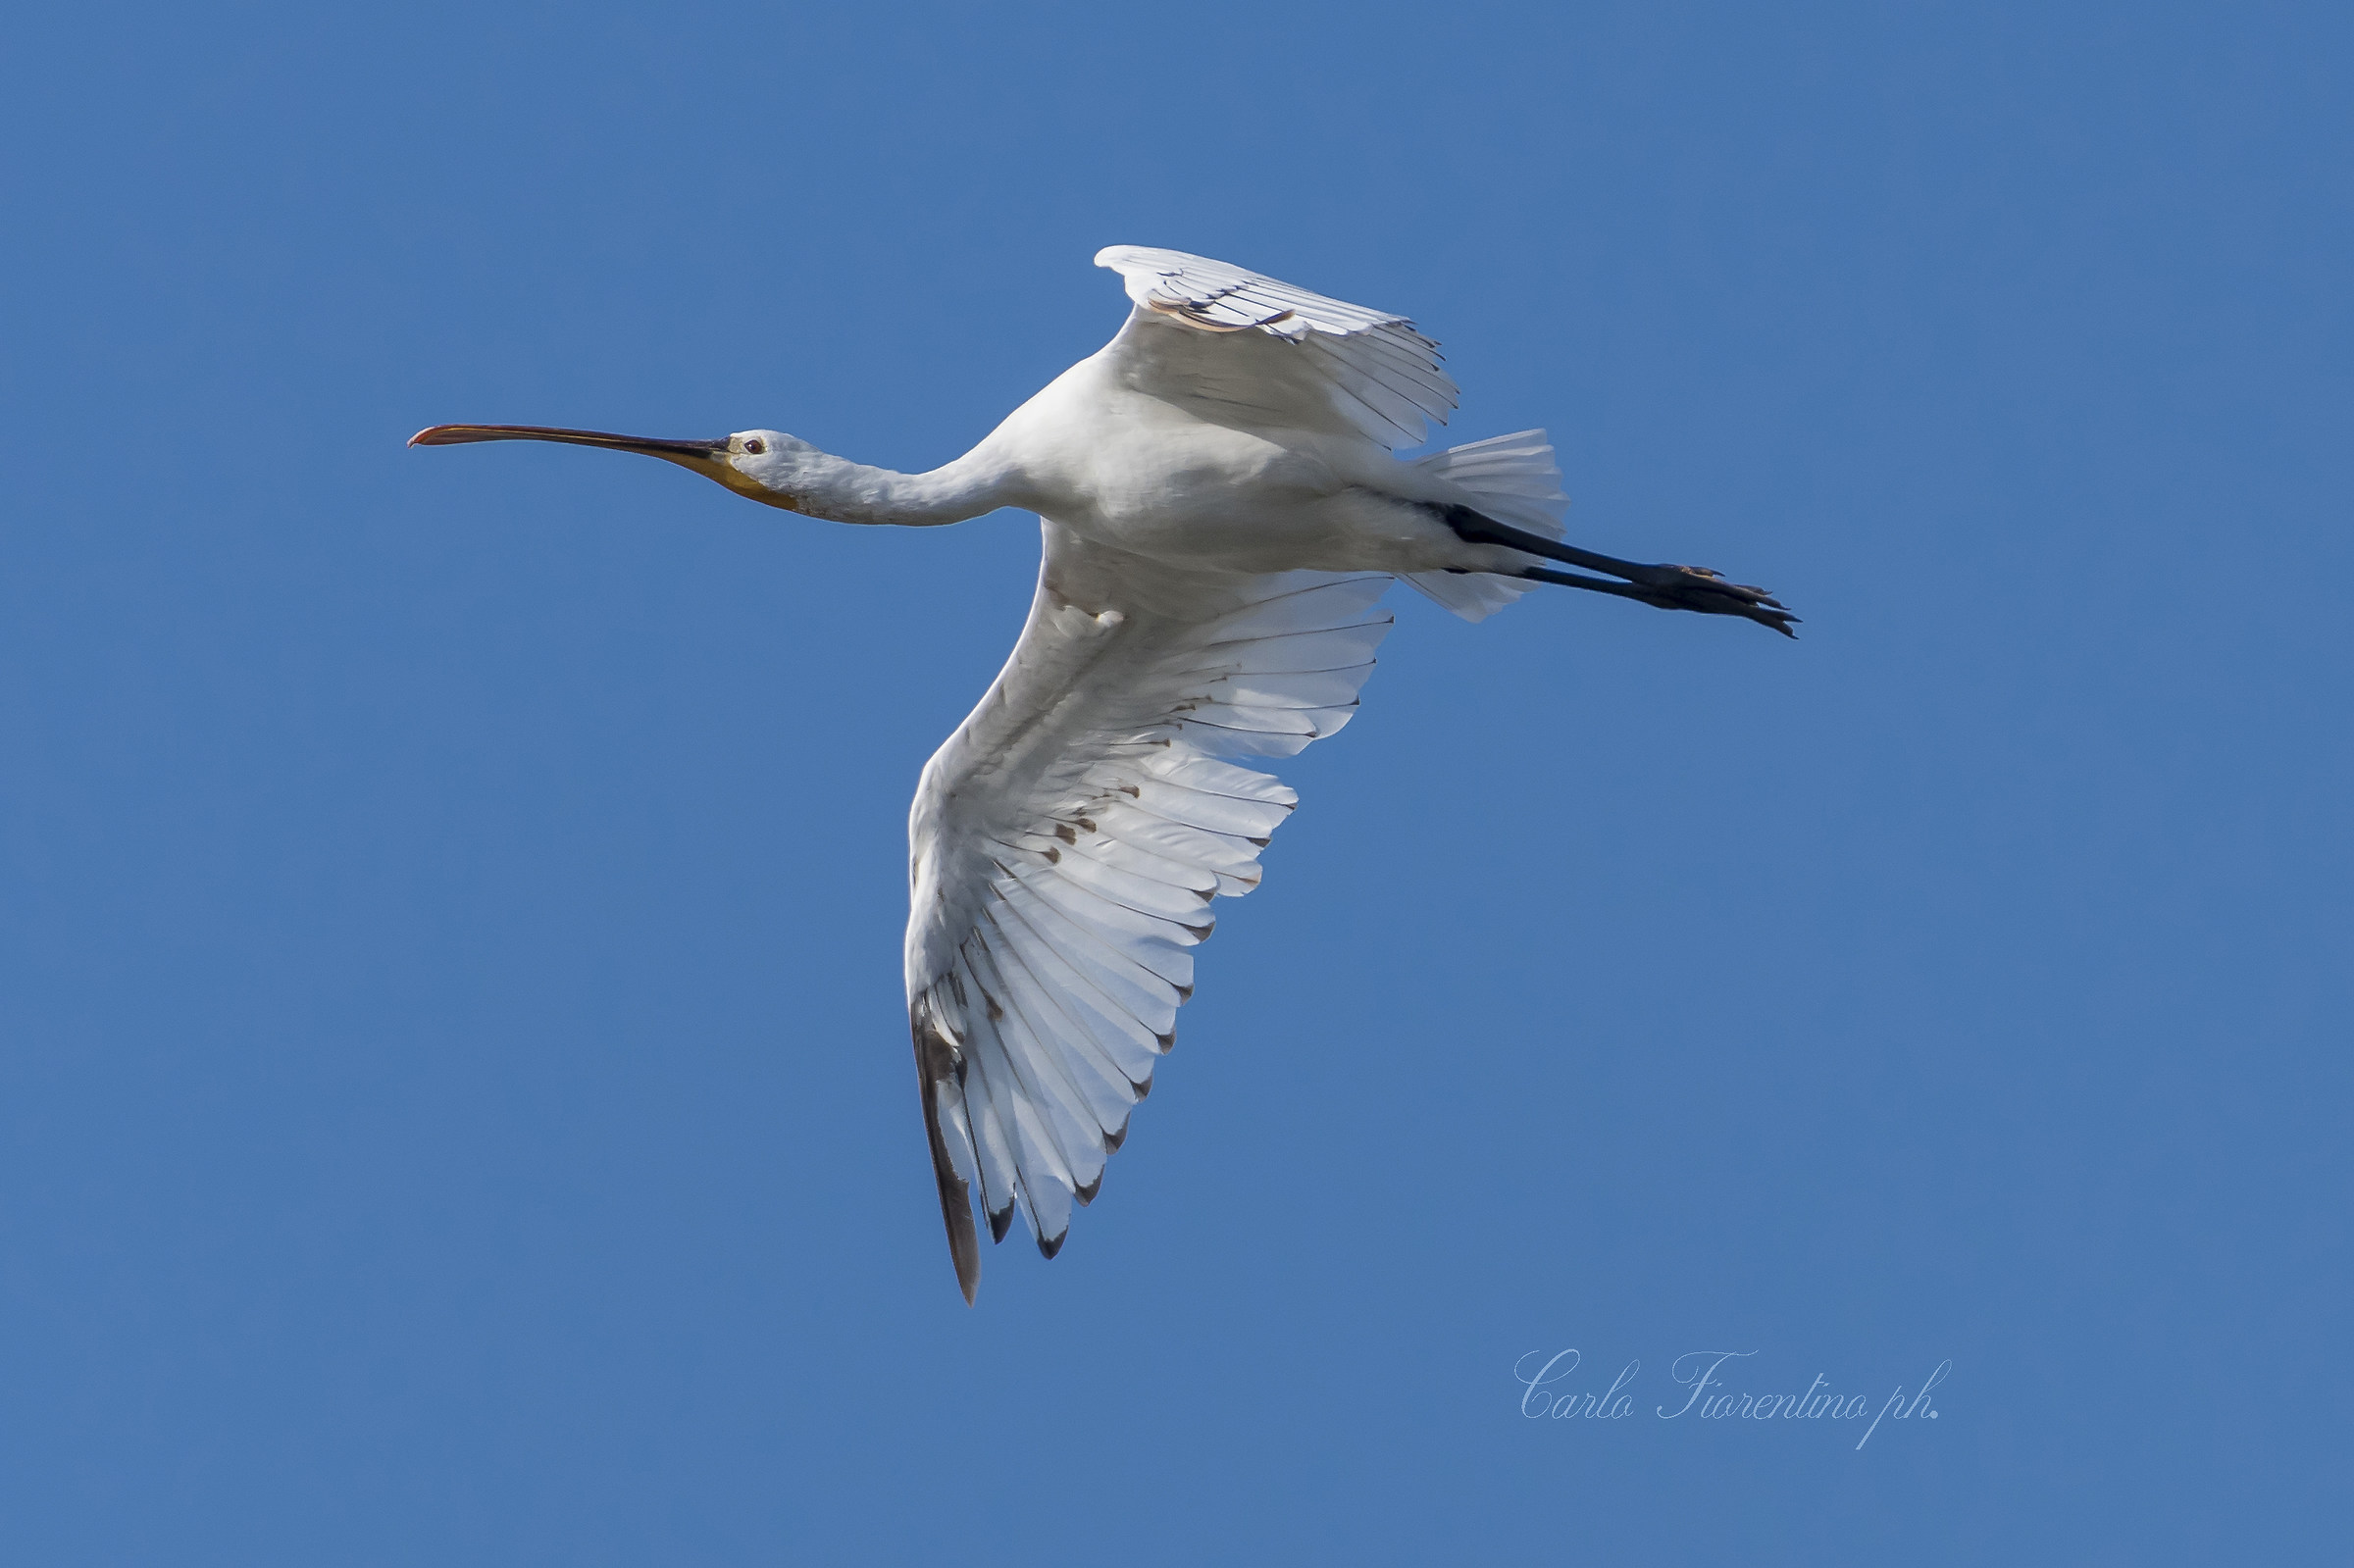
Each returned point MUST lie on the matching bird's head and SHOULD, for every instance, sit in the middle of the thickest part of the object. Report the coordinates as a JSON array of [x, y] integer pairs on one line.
[[762, 465]]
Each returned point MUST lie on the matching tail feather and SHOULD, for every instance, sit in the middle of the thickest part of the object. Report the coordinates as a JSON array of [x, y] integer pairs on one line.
[[1517, 482]]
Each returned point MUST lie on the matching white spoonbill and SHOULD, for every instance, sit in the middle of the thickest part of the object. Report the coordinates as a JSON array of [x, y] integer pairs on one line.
[[1221, 511]]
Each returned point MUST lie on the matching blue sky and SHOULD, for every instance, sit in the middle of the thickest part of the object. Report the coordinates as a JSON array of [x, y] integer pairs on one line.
[[454, 1093]]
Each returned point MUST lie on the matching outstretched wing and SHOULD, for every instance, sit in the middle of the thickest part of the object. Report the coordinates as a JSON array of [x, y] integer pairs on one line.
[[1217, 338], [1066, 844]]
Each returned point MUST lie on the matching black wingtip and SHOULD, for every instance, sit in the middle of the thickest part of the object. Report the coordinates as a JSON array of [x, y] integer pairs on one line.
[[1048, 1249], [935, 1064]]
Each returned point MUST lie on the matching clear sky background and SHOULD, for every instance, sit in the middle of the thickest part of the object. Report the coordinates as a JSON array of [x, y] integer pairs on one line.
[[455, 1102]]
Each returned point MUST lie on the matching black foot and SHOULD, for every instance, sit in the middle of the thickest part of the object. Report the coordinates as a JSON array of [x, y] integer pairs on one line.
[[1695, 587], [1682, 587]]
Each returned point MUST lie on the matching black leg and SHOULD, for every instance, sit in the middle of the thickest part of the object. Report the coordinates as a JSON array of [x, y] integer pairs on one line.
[[1670, 587]]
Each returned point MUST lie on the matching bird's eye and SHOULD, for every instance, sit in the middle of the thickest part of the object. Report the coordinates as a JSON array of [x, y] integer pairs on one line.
[[755, 444]]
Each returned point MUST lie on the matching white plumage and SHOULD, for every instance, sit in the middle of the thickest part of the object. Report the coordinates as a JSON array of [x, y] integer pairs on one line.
[[1220, 514]]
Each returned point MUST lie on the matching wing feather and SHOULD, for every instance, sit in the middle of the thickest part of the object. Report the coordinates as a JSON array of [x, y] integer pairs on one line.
[[1117, 1032], [1075, 1137], [1221, 337], [1141, 991], [1068, 841], [1106, 1091]]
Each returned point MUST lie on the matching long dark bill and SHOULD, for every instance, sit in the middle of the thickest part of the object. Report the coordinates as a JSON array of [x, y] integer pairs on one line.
[[692, 453]]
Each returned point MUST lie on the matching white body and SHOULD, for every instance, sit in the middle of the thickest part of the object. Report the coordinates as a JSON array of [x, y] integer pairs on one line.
[[1121, 469]]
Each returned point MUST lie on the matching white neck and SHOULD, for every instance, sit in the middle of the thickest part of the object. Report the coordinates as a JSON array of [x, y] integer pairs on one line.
[[820, 484]]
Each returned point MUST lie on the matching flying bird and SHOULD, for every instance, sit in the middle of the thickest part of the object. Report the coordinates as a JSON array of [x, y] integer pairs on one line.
[[1220, 510]]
